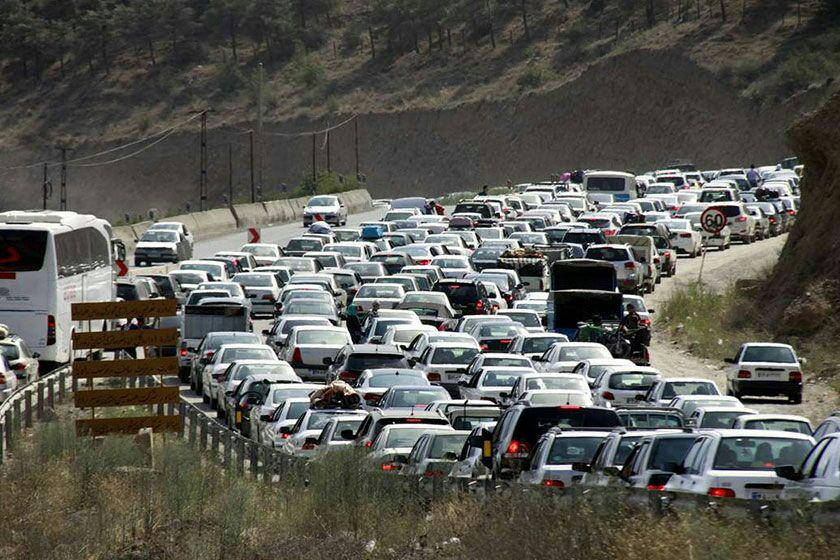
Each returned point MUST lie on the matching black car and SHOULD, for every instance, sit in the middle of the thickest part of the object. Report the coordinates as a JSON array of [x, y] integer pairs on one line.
[[466, 297], [486, 257], [585, 237], [353, 359], [496, 337]]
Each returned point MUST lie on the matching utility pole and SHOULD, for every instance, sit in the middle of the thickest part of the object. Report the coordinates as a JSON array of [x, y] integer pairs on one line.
[[261, 150], [356, 142], [63, 189], [230, 174], [47, 186], [202, 178], [253, 185], [329, 165], [314, 165]]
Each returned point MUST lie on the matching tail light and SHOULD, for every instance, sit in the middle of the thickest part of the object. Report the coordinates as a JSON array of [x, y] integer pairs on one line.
[[656, 487], [347, 376], [369, 444], [433, 474], [721, 492], [389, 467], [423, 262], [791, 212], [50, 330], [296, 356], [772, 220], [686, 235], [744, 374], [285, 436], [630, 265], [517, 449], [269, 297], [608, 395], [432, 376], [184, 352], [553, 483], [479, 305], [484, 348], [372, 397], [505, 340], [794, 376], [741, 219], [645, 322], [610, 232]]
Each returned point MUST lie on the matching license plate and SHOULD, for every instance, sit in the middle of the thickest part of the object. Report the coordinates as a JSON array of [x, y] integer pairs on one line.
[[764, 495], [767, 375]]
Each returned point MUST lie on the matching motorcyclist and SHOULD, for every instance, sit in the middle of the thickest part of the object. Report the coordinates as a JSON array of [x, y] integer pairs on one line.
[[637, 334], [631, 320]]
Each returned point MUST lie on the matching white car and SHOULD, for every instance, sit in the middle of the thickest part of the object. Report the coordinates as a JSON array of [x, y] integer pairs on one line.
[[8, 381], [767, 369], [284, 416], [549, 397], [490, 383], [352, 251], [224, 356], [534, 344], [779, 422], [453, 266], [325, 208], [239, 370], [215, 270], [818, 478], [721, 240], [20, 359], [529, 319], [332, 436], [161, 246], [264, 253], [556, 452], [664, 390], [564, 356], [175, 226], [621, 385], [307, 346], [445, 362], [262, 289], [265, 413], [738, 464], [423, 340], [689, 403], [389, 450], [545, 381], [302, 437], [716, 417], [687, 239], [402, 335], [387, 296]]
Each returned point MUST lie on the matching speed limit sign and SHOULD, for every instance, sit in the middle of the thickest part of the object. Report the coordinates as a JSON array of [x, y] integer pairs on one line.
[[713, 220]]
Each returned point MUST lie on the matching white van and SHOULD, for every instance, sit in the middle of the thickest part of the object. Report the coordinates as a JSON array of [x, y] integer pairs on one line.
[[622, 186]]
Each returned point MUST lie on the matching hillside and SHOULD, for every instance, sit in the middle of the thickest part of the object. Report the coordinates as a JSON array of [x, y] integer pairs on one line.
[[594, 83]]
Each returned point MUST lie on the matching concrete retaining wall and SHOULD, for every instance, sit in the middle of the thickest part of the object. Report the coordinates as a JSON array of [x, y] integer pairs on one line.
[[250, 215], [214, 222]]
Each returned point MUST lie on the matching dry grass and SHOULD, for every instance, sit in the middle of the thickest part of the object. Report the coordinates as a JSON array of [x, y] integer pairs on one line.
[[65, 498]]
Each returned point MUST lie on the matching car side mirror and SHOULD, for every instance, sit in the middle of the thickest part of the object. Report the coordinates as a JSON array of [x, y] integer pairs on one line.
[[612, 471], [347, 435], [729, 360], [640, 397], [266, 417], [327, 361], [789, 472], [400, 460], [286, 430], [413, 361], [462, 383], [690, 422], [36, 355], [581, 467], [311, 441], [504, 395], [651, 311], [266, 332], [375, 340]]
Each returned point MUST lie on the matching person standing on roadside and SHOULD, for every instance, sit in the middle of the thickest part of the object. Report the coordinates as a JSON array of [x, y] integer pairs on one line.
[[753, 176]]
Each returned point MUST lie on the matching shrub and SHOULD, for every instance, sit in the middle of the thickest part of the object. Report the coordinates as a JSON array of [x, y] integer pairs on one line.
[[307, 71], [351, 38], [230, 78], [532, 77]]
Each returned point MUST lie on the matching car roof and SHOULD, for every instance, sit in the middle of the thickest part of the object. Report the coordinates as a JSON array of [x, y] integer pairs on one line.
[[686, 379], [375, 349], [774, 416], [773, 344], [730, 432]]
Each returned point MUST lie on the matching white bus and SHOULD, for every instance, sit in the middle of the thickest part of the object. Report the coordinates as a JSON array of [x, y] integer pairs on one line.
[[48, 261], [622, 186]]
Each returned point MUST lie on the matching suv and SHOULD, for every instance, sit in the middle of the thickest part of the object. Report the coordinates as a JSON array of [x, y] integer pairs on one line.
[[482, 208], [629, 272], [719, 194], [522, 425], [467, 297], [353, 359], [740, 221], [21, 360], [765, 368]]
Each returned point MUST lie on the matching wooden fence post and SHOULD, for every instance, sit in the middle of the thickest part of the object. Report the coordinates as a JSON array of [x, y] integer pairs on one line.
[[27, 408], [39, 407]]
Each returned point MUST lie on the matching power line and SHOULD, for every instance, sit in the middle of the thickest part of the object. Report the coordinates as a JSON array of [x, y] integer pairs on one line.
[[313, 132]]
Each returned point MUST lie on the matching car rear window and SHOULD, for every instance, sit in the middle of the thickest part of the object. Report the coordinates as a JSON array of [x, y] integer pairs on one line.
[[351, 425], [583, 238], [608, 254], [10, 351], [780, 424], [280, 395], [448, 443], [720, 419], [385, 380], [506, 362], [534, 422], [540, 344], [632, 381], [499, 379], [759, 453], [730, 211], [651, 420], [669, 451], [674, 388], [596, 222], [304, 245], [459, 294], [557, 384], [774, 354], [460, 356], [418, 397], [237, 354], [360, 362], [565, 451], [323, 337]]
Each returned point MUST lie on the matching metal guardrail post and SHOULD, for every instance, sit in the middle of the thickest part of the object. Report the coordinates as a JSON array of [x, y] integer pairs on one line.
[[16, 407], [39, 407], [228, 451], [202, 433], [254, 459], [214, 441], [193, 421], [27, 408], [182, 411], [62, 384], [240, 456], [9, 427], [51, 393], [2, 440]]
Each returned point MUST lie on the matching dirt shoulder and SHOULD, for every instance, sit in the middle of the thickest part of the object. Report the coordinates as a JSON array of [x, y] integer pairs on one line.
[[719, 270]]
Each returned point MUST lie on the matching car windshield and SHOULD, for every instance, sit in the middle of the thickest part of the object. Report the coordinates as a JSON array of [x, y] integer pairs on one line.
[[538, 345], [379, 291], [305, 244], [651, 420], [323, 337], [360, 362], [321, 201], [307, 307], [449, 263], [525, 319], [280, 395], [583, 238], [382, 325], [182, 278], [759, 453], [608, 254], [668, 452], [418, 397], [256, 280], [536, 421], [159, 236], [317, 420], [557, 383], [385, 380], [772, 354], [675, 388], [633, 381], [720, 419], [625, 446], [460, 356], [565, 451], [237, 354], [446, 443], [499, 379], [578, 353], [781, 424], [279, 368]]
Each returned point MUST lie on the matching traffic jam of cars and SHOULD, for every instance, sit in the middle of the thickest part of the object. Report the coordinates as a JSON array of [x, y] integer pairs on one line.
[[503, 341]]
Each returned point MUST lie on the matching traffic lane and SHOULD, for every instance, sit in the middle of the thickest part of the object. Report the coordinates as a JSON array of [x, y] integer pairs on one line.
[[280, 234]]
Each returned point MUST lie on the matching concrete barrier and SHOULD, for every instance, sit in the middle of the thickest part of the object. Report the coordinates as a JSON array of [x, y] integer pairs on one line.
[[140, 228], [126, 235], [214, 222], [187, 219], [249, 215], [280, 212]]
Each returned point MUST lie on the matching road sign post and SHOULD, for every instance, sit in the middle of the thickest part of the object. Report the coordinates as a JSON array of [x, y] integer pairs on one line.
[[254, 235], [712, 220]]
